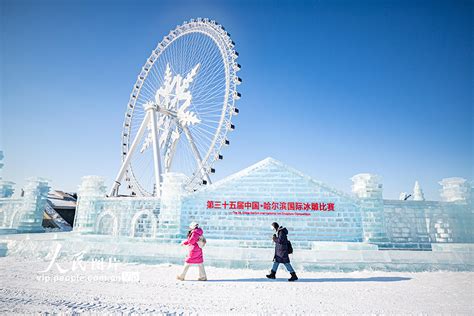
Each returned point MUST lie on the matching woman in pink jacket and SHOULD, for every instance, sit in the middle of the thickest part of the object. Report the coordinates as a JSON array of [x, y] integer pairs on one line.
[[195, 252]]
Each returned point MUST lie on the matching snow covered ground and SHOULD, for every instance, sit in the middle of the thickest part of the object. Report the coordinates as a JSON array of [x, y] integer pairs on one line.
[[98, 288]]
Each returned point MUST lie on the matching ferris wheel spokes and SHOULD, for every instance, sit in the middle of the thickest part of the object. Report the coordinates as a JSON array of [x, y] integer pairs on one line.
[[182, 103]]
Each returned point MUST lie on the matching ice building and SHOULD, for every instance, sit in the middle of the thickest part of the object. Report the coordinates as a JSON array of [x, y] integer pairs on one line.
[[242, 206], [330, 229]]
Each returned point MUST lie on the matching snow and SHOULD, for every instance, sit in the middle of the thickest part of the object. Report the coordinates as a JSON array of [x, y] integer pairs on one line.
[[154, 289]]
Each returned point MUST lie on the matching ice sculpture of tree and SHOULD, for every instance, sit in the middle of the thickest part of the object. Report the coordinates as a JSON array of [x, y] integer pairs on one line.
[[418, 192]]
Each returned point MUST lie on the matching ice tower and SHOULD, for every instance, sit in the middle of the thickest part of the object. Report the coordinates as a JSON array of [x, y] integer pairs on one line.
[[368, 188], [6, 187]]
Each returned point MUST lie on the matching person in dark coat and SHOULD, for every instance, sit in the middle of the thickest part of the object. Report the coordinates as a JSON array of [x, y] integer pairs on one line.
[[281, 252]]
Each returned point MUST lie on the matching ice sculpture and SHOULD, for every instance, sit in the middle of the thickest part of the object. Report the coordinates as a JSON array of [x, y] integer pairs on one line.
[[404, 196], [418, 193]]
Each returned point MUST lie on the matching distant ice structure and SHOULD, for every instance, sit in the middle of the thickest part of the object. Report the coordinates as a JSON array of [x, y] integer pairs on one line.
[[418, 193], [404, 196], [455, 190], [366, 185], [25, 214]]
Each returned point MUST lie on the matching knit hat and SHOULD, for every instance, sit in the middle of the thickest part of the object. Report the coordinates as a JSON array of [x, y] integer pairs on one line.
[[193, 225]]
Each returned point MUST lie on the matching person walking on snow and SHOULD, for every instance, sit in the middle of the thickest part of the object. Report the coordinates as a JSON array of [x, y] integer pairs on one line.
[[195, 252], [281, 252]]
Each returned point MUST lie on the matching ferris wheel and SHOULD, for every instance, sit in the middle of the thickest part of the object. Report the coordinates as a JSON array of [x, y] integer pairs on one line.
[[180, 109]]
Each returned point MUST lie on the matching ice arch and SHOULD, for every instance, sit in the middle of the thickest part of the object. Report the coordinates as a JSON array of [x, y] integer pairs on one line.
[[107, 224], [143, 224]]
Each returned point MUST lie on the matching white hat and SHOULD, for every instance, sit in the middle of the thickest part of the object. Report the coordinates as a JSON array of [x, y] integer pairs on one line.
[[193, 225]]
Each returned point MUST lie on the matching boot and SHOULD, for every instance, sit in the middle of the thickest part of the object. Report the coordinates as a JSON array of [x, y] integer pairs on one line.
[[271, 275], [293, 277]]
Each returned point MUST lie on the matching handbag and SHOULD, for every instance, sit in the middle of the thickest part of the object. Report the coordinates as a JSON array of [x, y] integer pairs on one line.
[[201, 241]]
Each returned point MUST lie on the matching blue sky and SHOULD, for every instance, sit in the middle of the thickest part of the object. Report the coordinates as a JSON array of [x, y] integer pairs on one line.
[[332, 88]]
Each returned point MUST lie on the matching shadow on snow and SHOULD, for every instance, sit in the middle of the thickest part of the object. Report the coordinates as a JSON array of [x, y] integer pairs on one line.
[[316, 280]]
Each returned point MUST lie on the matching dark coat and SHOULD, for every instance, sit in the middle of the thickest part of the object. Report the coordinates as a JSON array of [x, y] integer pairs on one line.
[[281, 246]]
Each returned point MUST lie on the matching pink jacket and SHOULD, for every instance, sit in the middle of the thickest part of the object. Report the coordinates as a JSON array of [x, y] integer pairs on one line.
[[195, 252]]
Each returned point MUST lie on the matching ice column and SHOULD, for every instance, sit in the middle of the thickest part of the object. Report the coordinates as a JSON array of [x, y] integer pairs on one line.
[[455, 190], [418, 193], [91, 190], [6, 187], [30, 218], [171, 201], [368, 188]]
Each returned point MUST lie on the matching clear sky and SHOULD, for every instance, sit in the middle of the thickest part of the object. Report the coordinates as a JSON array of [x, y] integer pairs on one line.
[[332, 88]]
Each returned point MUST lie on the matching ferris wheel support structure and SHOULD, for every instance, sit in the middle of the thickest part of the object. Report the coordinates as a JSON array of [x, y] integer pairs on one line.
[[151, 110], [128, 157]]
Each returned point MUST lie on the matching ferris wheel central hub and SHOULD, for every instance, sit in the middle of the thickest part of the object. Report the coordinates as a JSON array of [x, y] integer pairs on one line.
[[173, 98]]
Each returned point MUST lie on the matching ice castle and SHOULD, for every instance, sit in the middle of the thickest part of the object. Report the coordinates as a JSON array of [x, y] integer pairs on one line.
[[242, 206], [330, 229]]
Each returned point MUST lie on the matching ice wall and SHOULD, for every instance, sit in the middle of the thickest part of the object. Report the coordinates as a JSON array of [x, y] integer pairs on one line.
[[115, 216], [171, 218]]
